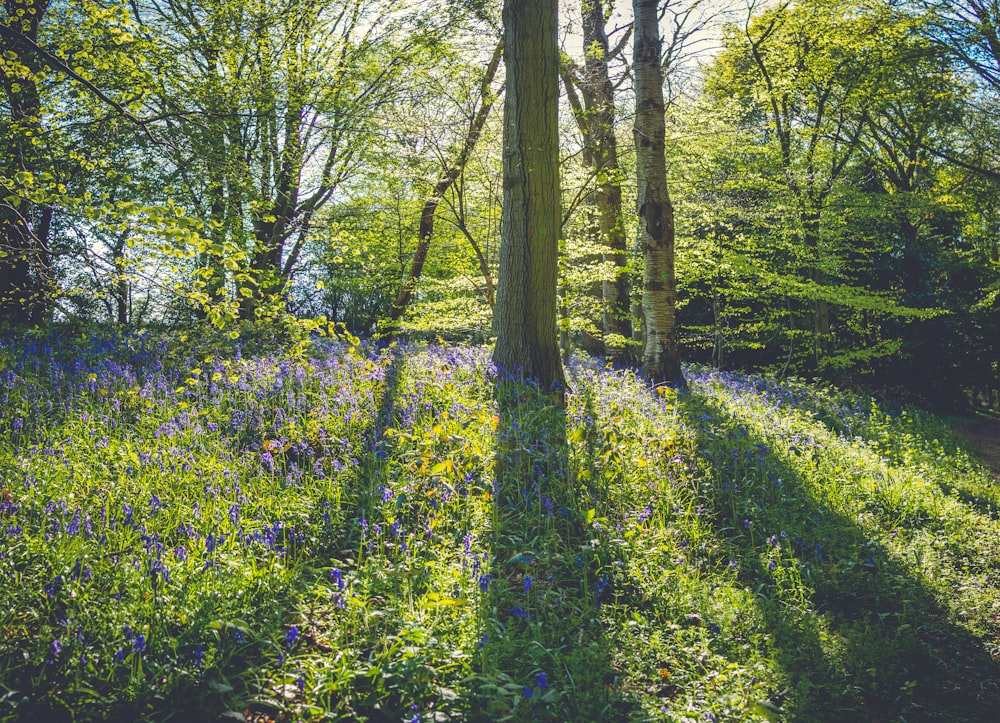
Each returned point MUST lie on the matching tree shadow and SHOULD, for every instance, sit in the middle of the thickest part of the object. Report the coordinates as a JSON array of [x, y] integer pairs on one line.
[[544, 653], [867, 641]]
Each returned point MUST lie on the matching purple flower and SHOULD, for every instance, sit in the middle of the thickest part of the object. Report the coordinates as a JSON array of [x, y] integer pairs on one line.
[[292, 636], [139, 644], [541, 679], [338, 577], [527, 584], [528, 692], [199, 655]]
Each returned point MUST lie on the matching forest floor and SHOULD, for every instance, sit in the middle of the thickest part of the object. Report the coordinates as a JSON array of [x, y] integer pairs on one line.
[[983, 435]]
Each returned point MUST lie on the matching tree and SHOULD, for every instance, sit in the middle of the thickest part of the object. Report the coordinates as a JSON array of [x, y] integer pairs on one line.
[[25, 261], [276, 104], [595, 116], [525, 317], [810, 69], [452, 171], [660, 357]]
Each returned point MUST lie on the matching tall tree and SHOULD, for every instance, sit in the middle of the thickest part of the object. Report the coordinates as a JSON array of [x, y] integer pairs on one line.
[[25, 261], [453, 169], [595, 116], [809, 69], [660, 357], [525, 318]]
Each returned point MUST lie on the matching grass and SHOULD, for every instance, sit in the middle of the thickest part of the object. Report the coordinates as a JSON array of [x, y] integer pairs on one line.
[[402, 534]]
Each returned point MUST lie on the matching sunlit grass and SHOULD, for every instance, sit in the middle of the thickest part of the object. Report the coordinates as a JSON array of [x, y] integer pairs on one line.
[[396, 534]]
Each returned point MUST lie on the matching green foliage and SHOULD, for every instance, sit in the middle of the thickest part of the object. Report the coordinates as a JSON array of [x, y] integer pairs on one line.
[[349, 533]]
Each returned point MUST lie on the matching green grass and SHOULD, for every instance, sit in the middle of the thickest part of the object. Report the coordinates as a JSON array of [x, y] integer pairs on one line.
[[399, 535]]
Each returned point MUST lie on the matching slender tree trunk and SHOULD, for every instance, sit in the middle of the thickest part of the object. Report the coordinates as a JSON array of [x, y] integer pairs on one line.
[[525, 318], [810, 232], [451, 174], [599, 97], [660, 359]]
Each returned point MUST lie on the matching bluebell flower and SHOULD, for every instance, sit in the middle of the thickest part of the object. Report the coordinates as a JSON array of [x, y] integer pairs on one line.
[[541, 679], [292, 636]]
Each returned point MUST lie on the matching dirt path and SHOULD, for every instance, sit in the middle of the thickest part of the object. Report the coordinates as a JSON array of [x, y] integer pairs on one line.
[[983, 435]]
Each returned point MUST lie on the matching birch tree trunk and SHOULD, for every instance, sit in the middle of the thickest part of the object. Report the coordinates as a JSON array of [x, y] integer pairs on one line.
[[660, 359], [525, 318]]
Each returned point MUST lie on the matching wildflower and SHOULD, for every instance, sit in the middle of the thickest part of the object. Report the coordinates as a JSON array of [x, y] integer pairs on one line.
[[338, 577], [483, 640], [56, 649], [292, 636], [199, 655], [541, 679], [484, 582], [527, 584], [239, 636], [528, 692], [139, 643], [519, 612]]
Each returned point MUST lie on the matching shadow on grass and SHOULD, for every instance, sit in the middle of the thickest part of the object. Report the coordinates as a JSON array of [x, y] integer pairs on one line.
[[858, 636], [544, 654]]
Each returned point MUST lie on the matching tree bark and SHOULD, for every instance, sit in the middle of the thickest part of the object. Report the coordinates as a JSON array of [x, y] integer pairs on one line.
[[660, 358], [599, 97], [25, 266], [525, 318]]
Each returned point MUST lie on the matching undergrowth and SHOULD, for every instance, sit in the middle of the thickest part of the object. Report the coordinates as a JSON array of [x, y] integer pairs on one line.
[[402, 534]]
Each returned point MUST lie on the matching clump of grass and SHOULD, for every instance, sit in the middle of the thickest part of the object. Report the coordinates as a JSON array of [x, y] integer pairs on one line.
[[405, 534]]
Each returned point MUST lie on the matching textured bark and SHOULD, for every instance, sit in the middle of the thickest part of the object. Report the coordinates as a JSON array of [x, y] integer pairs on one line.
[[525, 318], [451, 174], [25, 264], [599, 97], [660, 359]]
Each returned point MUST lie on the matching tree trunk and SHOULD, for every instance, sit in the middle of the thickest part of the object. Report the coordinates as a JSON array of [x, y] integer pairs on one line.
[[25, 266], [599, 98], [525, 318], [660, 359], [451, 174], [810, 232]]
